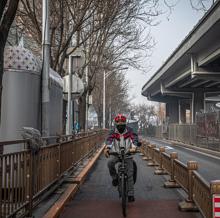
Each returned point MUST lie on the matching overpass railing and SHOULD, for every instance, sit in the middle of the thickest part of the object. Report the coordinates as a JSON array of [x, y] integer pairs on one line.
[[199, 191], [204, 133], [185, 133], [26, 176], [208, 130]]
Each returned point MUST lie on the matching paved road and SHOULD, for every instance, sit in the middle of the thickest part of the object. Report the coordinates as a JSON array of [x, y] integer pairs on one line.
[[209, 167], [97, 198]]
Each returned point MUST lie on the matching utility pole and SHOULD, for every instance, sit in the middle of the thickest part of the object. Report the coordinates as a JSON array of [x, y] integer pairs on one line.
[[105, 76], [46, 69], [69, 102], [110, 114], [87, 98]]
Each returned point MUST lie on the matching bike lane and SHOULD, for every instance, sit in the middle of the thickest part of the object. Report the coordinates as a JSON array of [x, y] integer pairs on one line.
[[99, 199]]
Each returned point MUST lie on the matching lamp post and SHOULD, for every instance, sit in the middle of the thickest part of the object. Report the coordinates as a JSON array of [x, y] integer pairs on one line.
[[105, 76], [46, 68], [103, 124]]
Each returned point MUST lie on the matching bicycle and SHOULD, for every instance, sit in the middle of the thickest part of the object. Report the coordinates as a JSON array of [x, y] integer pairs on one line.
[[122, 175]]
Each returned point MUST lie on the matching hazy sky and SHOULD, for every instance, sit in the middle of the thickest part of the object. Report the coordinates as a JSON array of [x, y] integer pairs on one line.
[[168, 35]]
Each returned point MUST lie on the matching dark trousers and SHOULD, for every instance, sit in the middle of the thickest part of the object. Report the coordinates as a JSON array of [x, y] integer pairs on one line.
[[130, 170]]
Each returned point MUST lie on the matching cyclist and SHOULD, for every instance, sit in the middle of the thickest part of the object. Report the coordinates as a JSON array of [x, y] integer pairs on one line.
[[112, 143]]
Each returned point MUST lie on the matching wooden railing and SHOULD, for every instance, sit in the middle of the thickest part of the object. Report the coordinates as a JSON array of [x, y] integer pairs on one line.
[[181, 174], [199, 192], [26, 175], [156, 155], [166, 162], [201, 195]]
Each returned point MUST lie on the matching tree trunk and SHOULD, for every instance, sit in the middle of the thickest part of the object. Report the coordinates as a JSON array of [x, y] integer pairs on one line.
[[6, 20], [82, 111], [100, 121], [99, 116]]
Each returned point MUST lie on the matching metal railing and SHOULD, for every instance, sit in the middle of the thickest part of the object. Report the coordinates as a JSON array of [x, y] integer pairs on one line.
[[26, 175], [185, 133], [199, 191], [204, 133]]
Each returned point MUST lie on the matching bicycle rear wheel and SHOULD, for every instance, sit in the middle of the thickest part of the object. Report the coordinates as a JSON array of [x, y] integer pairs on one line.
[[124, 195]]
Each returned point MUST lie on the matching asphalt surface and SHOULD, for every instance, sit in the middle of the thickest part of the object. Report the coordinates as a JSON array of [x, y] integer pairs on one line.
[[98, 198], [209, 166]]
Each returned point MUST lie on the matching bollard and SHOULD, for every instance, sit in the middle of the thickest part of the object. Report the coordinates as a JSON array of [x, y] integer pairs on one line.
[[160, 170], [147, 152], [188, 204], [215, 194], [171, 183], [142, 149], [152, 162], [144, 144]]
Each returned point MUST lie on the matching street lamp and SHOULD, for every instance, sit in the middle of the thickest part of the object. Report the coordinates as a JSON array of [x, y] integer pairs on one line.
[[46, 68], [105, 76]]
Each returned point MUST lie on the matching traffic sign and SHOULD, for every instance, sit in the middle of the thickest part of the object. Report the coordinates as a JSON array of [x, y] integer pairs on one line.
[[216, 206]]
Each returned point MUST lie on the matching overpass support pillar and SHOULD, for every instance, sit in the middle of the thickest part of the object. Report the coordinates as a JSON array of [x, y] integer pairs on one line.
[[172, 110], [197, 104], [182, 112]]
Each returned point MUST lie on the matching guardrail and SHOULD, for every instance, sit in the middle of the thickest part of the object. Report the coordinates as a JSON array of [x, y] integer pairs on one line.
[[27, 175], [185, 133], [200, 192]]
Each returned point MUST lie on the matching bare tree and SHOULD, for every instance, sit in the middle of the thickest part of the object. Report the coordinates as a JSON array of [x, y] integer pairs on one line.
[[116, 96], [67, 18], [8, 10], [201, 5], [111, 33], [119, 40], [146, 114]]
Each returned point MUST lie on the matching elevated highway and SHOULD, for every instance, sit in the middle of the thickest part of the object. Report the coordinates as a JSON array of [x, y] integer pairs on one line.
[[190, 77]]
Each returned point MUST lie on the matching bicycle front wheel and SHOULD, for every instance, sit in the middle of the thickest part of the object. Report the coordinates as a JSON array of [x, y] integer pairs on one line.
[[124, 195]]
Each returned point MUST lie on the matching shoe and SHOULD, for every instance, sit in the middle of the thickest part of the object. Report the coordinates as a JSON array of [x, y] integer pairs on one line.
[[115, 182], [131, 199]]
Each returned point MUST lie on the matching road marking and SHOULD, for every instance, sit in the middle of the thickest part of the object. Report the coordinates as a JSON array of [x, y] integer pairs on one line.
[[200, 152], [169, 148], [190, 149]]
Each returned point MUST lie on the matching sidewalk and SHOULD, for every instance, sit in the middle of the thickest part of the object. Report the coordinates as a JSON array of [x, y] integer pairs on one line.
[[97, 198]]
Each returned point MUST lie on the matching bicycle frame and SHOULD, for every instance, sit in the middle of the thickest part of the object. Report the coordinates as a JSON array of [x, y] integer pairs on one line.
[[122, 183], [122, 172]]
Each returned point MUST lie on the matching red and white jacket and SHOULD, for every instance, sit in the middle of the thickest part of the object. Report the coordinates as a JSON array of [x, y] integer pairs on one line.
[[129, 137]]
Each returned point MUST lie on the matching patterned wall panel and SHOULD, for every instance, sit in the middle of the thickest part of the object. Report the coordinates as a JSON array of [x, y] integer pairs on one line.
[[19, 58]]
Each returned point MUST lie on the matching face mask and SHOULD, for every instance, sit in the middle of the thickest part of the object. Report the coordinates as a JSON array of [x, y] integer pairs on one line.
[[121, 128]]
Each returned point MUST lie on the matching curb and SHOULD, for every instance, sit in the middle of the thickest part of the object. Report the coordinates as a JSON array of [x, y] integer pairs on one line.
[[72, 189], [196, 148]]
